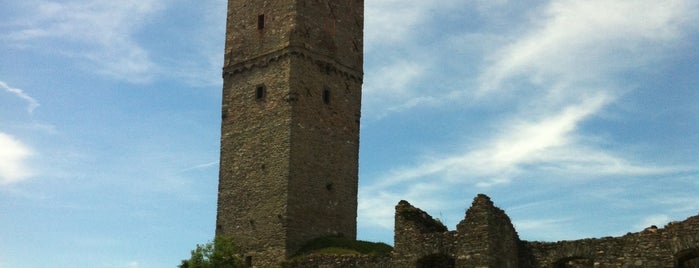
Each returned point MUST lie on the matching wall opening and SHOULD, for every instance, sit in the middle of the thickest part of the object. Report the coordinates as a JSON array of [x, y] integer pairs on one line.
[[687, 259], [574, 262], [260, 92], [436, 261], [260, 21], [326, 96], [248, 261]]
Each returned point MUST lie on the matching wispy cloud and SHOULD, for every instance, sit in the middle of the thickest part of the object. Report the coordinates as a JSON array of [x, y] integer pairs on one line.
[[392, 21], [201, 166], [549, 229], [31, 102], [13, 160], [100, 32], [562, 72], [588, 41], [547, 143]]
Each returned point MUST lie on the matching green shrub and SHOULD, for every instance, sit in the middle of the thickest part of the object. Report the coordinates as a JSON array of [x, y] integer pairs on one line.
[[217, 254]]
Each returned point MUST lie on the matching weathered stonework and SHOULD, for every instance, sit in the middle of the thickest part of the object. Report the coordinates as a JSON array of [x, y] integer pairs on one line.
[[290, 125], [289, 160], [486, 238]]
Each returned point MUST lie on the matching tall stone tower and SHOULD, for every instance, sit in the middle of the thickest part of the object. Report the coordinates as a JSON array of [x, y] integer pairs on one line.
[[290, 124]]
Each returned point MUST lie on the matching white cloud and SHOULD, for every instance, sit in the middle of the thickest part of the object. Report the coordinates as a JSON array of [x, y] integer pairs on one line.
[[31, 102], [574, 36], [547, 227], [584, 41], [680, 205], [559, 74], [98, 31], [391, 87], [524, 142], [201, 166], [13, 157], [390, 21], [376, 208]]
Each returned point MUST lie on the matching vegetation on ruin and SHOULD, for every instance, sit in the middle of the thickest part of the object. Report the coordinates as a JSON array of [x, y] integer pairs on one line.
[[219, 253], [335, 245]]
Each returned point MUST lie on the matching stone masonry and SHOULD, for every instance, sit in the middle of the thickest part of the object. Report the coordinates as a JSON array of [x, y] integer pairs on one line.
[[292, 81], [487, 238], [290, 125]]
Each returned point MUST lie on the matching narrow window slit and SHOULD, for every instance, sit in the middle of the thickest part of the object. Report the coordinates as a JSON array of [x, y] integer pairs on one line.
[[248, 261], [260, 92], [260, 21], [326, 96]]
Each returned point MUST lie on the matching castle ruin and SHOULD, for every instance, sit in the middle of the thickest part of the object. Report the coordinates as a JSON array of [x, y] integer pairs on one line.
[[292, 81]]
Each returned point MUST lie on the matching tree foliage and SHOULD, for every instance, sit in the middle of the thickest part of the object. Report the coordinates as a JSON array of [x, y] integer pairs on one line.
[[219, 253]]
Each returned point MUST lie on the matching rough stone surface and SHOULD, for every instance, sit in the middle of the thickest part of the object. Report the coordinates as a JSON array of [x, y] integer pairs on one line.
[[486, 238], [339, 261], [290, 125], [289, 160]]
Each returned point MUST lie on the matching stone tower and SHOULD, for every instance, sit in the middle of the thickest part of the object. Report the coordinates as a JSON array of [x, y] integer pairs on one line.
[[292, 81]]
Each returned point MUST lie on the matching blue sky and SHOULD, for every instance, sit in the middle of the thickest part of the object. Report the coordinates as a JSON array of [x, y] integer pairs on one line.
[[578, 118]]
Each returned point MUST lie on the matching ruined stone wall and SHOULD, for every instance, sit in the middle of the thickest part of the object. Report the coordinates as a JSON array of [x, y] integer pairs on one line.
[[340, 261], [669, 247], [418, 235], [487, 238], [293, 72]]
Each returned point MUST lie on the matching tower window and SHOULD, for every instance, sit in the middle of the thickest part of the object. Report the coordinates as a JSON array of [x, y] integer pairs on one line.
[[260, 21], [248, 261], [260, 92], [326, 96]]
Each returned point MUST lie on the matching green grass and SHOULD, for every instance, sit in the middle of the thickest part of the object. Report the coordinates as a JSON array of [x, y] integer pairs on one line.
[[342, 246]]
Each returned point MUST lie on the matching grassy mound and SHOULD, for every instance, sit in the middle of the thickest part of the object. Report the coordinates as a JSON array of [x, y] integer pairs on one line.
[[342, 246]]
